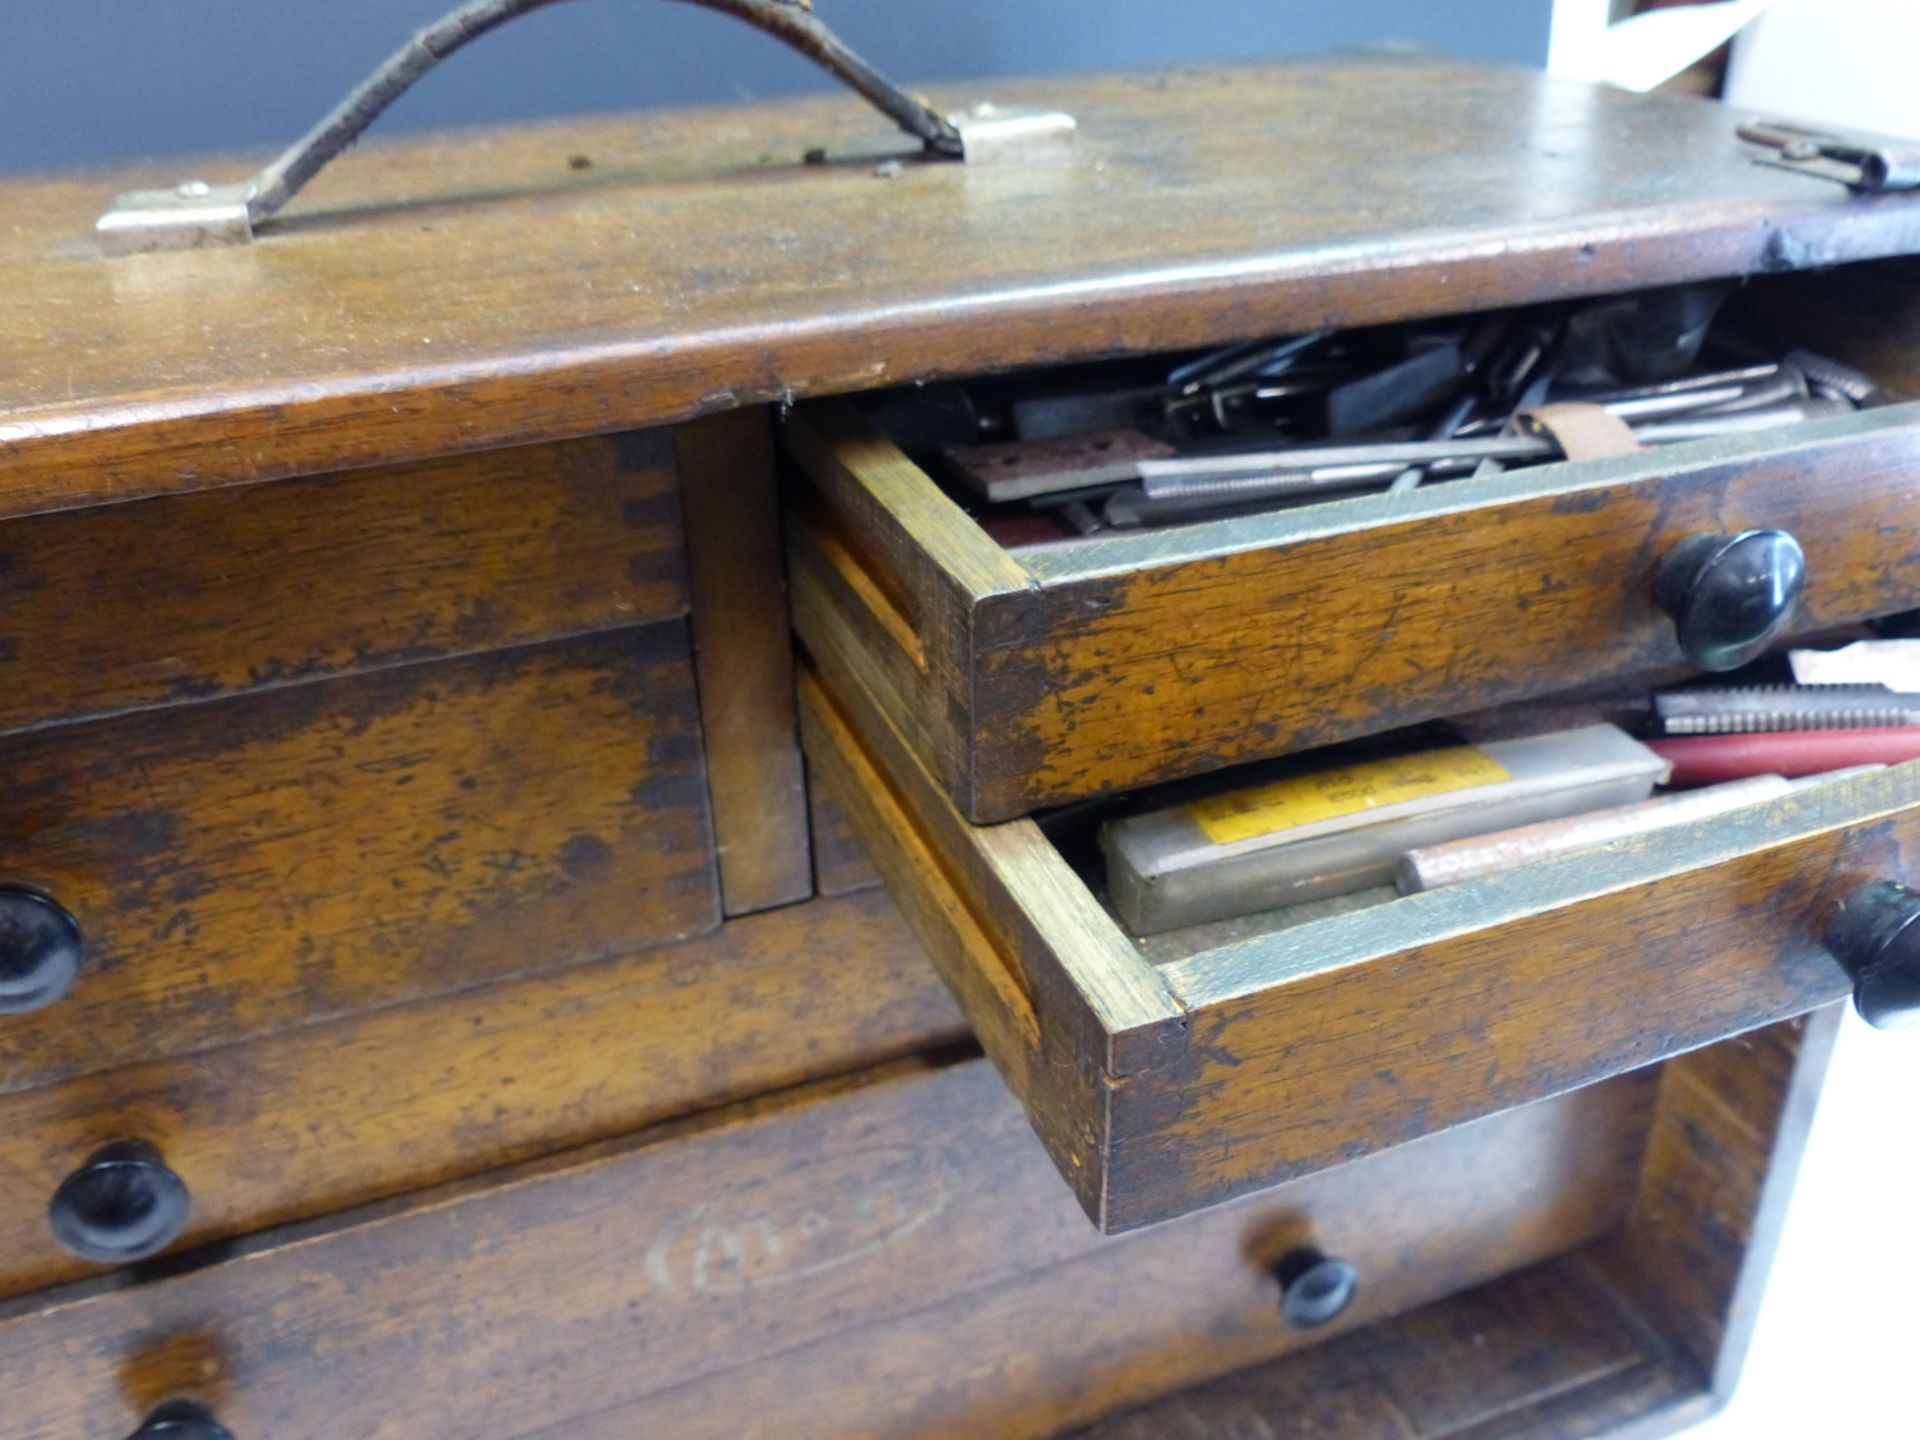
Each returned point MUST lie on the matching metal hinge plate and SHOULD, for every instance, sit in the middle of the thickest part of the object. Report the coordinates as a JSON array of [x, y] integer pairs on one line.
[[190, 216]]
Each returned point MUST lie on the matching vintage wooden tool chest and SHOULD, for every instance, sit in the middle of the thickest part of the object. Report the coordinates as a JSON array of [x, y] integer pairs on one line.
[[531, 894]]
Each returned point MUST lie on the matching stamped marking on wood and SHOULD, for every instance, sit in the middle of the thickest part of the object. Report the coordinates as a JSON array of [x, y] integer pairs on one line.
[[805, 1221]]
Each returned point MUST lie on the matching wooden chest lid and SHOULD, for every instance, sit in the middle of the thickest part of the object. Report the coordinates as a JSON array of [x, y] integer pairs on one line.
[[498, 286]]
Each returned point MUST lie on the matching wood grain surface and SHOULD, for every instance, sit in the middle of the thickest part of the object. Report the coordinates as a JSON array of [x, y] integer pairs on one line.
[[1160, 1089], [1605, 960], [195, 596], [332, 1115], [1719, 1171], [473, 290], [1042, 974], [1068, 671], [840, 865], [1550, 1351], [1641, 1333], [247, 865], [889, 569], [892, 1257], [743, 657]]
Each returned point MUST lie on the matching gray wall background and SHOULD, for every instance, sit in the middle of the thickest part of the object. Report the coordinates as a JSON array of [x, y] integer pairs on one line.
[[91, 81]]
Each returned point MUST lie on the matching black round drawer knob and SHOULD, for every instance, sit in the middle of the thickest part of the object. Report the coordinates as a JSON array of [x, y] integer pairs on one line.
[[1875, 935], [181, 1420], [40, 950], [1314, 1288], [1730, 596], [123, 1205]]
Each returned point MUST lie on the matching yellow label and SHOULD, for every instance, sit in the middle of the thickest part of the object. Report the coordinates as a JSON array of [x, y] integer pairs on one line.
[[1350, 790]]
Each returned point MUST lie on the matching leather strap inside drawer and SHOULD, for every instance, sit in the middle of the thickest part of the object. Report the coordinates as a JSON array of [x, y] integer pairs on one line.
[[1583, 432]]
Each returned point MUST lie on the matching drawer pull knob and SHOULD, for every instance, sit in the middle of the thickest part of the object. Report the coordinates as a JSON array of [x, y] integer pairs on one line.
[[181, 1420], [1875, 935], [1730, 596], [123, 1205], [1314, 1288], [40, 950]]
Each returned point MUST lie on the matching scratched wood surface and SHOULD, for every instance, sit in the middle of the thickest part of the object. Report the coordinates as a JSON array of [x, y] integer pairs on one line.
[[1042, 975], [840, 864], [332, 1115], [1547, 1352], [251, 864], [887, 569], [743, 659], [886, 1256], [1642, 1332], [194, 596], [470, 290], [1161, 1089], [1068, 671]]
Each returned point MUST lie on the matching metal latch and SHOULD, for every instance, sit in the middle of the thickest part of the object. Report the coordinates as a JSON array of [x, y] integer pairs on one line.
[[195, 214], [1854, 161]]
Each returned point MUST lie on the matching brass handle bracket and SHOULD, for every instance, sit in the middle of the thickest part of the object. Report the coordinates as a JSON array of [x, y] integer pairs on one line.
[[195, 214]]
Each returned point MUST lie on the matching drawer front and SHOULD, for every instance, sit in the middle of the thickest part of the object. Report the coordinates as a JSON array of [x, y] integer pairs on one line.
[[1163, 1082], [887, 1256], [246, 865], [338, 1114], [1025, 679], [189, 597]]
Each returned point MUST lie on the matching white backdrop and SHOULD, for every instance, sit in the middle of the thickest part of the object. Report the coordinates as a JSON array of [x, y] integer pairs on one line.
[[1838, 1344], [1842, 62]]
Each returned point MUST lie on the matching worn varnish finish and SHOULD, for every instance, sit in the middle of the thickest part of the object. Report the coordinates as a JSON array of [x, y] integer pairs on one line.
[[462, 292], [890, 573], [1045, 982], [195, 596], [1160, 1089], [261, 862], [743, 656], [1069, 671], [349, 937], [840, 866], [332, 1115], [1641, 1333], [893, 1256], [1549, 1351], [1697, 1247]]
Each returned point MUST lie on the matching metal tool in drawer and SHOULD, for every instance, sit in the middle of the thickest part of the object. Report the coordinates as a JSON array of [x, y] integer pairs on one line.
[[1278, 423], [1745, 709]]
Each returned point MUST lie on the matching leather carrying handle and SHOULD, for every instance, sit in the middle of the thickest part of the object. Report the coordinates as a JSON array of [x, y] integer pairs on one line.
[[198, 214], [792, 22]]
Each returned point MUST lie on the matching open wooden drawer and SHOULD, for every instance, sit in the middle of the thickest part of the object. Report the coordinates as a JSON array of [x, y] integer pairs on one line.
[[1164, 1080], [1026, 678]]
